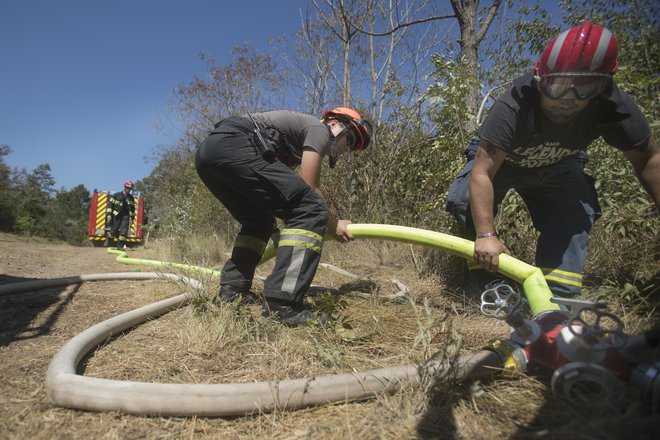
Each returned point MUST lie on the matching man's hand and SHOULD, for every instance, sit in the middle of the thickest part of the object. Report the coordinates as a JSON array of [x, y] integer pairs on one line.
[[487, 252], [341, 233]]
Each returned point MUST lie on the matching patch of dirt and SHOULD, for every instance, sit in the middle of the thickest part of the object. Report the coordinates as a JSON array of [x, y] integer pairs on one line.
[[35, 324]]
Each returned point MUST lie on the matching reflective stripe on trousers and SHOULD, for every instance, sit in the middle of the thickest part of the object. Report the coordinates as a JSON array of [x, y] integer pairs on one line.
[[298, 256]]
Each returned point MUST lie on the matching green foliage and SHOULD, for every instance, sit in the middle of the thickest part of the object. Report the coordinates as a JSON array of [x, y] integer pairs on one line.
[[331, 306], [30, 206], [8, 197], [8, 206], [517, 42], [35, 190], [179, 201], [449, 107], [67, 215], [401, 180], [628, 212], [181, 204], [636, 290]]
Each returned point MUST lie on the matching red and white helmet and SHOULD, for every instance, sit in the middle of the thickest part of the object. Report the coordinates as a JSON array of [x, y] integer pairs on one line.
[[361, 128], [587, 49], [580, 60], [128, 184]]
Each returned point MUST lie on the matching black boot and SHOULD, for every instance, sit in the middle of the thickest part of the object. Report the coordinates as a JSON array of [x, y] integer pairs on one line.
[[229, 294], [291, 314]]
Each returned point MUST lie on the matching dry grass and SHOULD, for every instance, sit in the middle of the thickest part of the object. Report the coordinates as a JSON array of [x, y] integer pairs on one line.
[[215, 343]]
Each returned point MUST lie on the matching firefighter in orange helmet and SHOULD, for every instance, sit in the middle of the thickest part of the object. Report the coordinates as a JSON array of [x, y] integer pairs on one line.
[[120, 213], [248, 163], [534, 140]]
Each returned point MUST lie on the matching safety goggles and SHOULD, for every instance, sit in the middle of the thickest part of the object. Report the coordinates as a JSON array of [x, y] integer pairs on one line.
[[584, 87], [358, 135]]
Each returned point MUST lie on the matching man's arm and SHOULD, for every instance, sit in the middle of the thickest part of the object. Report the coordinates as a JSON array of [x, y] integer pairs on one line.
[[487, 162], [310, 172], [109, 208], [646, 163]]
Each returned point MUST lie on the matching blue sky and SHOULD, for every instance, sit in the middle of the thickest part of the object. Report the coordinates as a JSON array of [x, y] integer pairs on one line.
[[82, 82]]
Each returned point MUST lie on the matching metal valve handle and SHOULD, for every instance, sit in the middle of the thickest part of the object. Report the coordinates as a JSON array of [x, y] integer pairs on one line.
[[575, 305], [597, 327], [499, 301]]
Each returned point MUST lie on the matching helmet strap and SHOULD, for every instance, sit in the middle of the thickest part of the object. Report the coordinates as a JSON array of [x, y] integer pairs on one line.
[[332, 155]]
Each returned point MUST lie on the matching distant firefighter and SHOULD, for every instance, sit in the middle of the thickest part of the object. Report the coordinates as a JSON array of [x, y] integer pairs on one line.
[[120, 213]]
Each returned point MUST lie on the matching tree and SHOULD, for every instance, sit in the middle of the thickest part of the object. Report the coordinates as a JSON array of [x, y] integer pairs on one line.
[[311, 76], [8, 199], [372, 73], [243, 85], [247, 83], [473, 25], [67, 215], [474, 28], [34, 192]]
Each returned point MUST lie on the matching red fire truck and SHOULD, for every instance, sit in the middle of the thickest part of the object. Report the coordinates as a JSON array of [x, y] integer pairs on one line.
[[97, 232]]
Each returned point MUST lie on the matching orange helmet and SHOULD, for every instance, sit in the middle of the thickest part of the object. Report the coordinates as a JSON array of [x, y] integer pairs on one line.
[[361, 128], [128, 184]]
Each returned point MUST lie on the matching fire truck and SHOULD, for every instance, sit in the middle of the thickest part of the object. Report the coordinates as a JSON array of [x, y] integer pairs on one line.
[[97, 231]]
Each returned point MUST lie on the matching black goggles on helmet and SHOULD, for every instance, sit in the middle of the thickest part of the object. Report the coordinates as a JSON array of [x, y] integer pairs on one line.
[[358, 134], [363, 131], [583, 87]]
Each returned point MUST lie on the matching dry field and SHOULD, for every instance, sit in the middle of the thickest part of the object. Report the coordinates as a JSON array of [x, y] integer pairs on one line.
[[210, 343]]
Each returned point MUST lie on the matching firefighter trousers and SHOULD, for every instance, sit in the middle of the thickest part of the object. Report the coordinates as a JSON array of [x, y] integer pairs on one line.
[[562, 203], [256, 190], [119, 231]]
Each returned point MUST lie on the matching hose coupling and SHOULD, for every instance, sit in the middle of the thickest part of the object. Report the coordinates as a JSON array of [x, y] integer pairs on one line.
[[513, 357]]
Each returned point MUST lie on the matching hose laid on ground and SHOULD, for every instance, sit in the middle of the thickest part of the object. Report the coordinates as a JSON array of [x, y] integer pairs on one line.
[[26, 286], [66, 388]]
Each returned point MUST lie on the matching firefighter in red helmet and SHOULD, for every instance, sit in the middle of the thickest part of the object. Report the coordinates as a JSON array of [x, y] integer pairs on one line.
[[534, 140], [120, 213], [248, 163]]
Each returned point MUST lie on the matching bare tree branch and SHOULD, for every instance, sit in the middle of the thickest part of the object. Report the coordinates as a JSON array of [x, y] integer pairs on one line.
[[492, 12], [400, 26]]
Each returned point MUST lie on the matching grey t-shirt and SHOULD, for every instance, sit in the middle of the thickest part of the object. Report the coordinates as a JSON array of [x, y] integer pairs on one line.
[[290, 132]]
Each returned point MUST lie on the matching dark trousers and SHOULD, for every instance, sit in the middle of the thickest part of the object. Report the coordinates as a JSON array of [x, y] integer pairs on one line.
[[562, 203], [255, 191], [119, 230]]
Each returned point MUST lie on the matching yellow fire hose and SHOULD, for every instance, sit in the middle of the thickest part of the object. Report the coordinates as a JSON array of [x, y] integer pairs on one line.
[[530, 277]]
